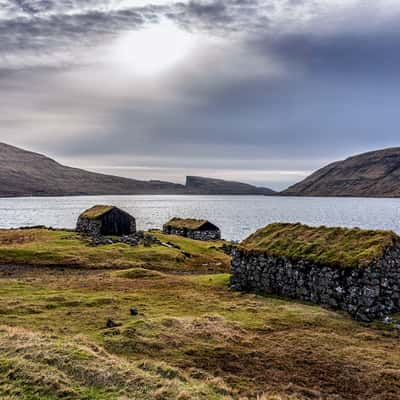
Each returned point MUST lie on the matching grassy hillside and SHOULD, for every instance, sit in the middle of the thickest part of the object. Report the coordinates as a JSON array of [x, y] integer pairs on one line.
[[193, 337], [42, 247], [372, 174]]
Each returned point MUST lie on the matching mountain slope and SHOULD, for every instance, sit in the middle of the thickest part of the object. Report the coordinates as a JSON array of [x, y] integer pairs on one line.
[[373, 174], [24, 173], [201, 185]]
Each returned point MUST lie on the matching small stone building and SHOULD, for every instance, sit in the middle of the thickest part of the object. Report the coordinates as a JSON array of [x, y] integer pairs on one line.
[[106, 220], [354, 270], [198, 229]]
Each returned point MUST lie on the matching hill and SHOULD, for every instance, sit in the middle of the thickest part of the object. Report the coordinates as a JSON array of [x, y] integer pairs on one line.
[[24, 173], [372, 174], [201, 185]]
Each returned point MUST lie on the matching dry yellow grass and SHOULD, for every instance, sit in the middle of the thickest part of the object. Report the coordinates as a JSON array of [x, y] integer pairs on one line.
[[194, 329], [39, 366]]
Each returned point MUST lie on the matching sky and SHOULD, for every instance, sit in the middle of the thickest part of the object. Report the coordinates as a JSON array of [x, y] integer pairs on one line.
[[260, 91]]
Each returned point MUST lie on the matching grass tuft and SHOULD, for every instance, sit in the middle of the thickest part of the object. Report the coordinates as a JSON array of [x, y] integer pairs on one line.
[[186, 223]]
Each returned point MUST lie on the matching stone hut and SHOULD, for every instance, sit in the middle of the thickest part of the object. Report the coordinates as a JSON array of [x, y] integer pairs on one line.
[[198, 229], [354, 270], [106, 220]]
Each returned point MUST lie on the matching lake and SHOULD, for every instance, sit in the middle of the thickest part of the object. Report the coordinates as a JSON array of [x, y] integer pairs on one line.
[[237, 216]]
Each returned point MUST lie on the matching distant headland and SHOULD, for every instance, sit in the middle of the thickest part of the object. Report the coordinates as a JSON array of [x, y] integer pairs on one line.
[[24, 173]]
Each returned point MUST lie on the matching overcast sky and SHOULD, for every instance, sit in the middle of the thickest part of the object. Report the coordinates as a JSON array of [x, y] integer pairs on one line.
[[262, 91]]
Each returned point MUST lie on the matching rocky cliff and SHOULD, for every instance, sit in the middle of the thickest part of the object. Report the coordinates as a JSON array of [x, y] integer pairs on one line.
[[373, 174]]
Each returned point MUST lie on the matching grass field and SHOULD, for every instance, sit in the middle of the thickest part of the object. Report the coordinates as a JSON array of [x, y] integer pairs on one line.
[[193, 337]]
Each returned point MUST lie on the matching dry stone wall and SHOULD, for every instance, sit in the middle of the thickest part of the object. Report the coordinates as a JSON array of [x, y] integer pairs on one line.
[[366, 293], [89, 226], [193, 234]]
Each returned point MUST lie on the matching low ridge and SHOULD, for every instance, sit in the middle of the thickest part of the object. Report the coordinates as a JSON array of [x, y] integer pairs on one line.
[[204, 185]]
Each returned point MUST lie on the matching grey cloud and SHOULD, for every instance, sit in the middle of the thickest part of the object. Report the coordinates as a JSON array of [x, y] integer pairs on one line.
[[219, 16], [330, 93], [49, 32], [51, 25], [358, 55], [33, 7]]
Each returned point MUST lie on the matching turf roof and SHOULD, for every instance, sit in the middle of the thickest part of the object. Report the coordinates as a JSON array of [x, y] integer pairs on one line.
[[187, 223], [339, 247], [96, 212]]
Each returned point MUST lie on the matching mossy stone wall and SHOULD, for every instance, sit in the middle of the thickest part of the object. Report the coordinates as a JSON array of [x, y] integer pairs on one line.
[[366, 293]]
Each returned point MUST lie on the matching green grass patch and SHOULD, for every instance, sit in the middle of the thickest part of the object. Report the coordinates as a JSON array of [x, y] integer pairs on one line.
[[137, 273], [215, 280], [339, 247], [42, 247]]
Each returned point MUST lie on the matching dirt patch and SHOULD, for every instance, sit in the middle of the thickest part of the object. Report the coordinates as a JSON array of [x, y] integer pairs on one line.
[[18, 237]]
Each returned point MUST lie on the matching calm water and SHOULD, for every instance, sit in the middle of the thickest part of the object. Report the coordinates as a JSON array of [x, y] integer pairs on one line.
[[238, 216]]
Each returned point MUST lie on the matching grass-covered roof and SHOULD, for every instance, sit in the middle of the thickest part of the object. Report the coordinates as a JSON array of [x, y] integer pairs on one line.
[[96, 212], [339, 247], [188, 223]]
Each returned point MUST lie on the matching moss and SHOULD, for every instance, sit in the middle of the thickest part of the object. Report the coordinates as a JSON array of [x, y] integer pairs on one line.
[[42, 247], [96, 211], [182, 223], [137, 273], [338, 247], [215, 280]]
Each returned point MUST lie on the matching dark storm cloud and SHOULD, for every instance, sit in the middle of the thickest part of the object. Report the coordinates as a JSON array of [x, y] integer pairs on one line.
[[356, 54], [294, 83], [50, 24]]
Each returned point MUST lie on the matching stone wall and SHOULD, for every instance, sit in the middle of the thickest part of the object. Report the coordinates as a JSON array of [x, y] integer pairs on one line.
[[366, 293], [89, 226], [193, 234]]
